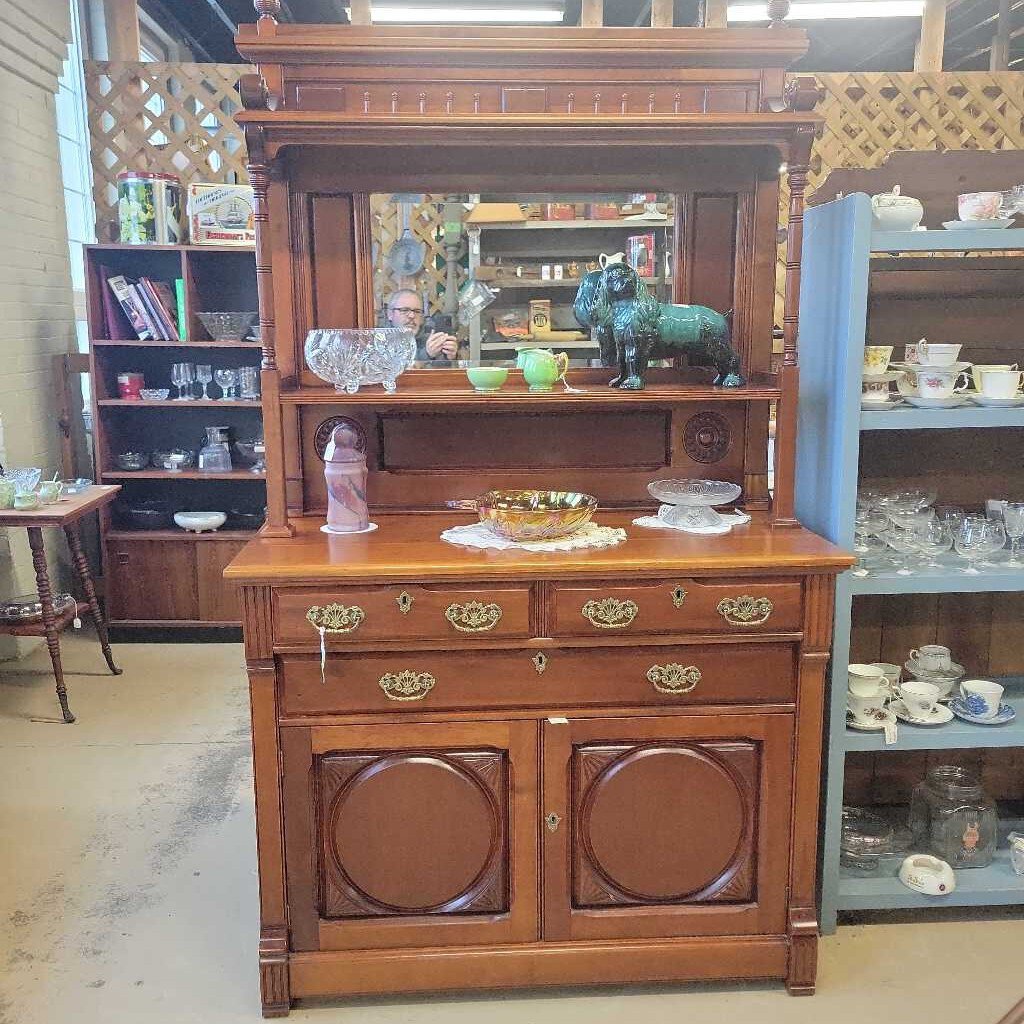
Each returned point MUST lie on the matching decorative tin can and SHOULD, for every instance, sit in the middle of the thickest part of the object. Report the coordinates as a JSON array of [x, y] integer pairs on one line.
[[130, 384], [221, 214], [149, 208]]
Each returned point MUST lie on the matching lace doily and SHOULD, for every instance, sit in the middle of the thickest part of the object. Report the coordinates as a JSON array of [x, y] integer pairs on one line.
[[479, 535], [731, 519]]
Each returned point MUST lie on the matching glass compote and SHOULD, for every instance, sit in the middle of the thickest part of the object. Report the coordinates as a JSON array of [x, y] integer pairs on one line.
[[1013, 521], [972, 541], [933, 537]]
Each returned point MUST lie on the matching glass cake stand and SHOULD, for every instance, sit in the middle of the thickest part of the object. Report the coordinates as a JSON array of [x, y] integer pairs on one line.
[[688, 504]]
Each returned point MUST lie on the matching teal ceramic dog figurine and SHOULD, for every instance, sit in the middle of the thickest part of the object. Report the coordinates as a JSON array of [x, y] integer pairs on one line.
[[633, 328]]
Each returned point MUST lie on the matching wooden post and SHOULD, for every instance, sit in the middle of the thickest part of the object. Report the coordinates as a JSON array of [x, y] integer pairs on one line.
[[592, 14], [121, 25], [359, 12], [662, 13], [716, 14], [999, 55], [933, 36]]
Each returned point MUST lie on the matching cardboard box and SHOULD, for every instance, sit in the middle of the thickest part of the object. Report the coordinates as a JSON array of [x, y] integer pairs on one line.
[[602, 211], [495, 213], [559, 211], [221, 214], [540, 315]]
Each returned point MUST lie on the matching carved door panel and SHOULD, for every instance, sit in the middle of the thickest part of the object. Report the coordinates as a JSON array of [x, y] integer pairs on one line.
[[411, 835], [666, 826]]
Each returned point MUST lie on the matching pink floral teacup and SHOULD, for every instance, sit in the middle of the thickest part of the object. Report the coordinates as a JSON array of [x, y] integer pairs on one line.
[[979, 205]]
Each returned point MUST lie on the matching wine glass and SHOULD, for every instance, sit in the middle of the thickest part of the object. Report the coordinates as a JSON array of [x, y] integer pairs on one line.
[[869, 550], [224, 379], [995, 541], [972, 540], [867, 524], [182, 376], [204, 376], [1013, 521], [905, 543], [933, 538]]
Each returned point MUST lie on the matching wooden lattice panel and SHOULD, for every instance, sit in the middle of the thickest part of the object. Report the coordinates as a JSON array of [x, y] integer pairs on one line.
[[426, 225], [172, 118], [870, 115]]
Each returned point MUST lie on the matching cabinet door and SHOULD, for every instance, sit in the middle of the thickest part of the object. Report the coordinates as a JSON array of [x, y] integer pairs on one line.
[[666, 826], [411, 835], [218, 599], [151, 580]]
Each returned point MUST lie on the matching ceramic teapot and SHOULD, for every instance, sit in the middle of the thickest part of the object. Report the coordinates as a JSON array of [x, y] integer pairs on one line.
[[893, 211]]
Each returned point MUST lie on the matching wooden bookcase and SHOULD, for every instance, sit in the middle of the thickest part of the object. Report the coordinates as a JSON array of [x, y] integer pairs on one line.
[[169, 577]]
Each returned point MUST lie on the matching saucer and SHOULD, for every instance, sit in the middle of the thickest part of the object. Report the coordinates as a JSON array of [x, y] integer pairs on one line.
[[939, 714], [891, 402], [997, 403], [937, 403], [881, 378], [970, 225], [957, 367], [885, 718], [1003, 715]]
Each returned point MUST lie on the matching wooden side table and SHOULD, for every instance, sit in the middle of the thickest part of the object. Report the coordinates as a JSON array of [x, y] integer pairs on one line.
[[66, 514]]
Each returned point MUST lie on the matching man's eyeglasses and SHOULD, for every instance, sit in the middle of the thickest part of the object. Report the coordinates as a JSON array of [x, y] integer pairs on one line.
[[408, 310]]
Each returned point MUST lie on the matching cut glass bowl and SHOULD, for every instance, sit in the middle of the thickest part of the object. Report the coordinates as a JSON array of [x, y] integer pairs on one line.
[[223, 326], [348, 358]]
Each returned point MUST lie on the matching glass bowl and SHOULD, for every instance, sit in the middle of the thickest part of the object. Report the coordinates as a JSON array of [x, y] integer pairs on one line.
[[694, 492], [144, 515], [185, 459], [350, 358], [76, 486], [225, 326], [24, 480], [132, 461], [532, 515], [28, 608], [154, 394]]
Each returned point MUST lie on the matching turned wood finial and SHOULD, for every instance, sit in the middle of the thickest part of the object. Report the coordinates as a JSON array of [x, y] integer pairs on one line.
[[268, 9], [777, 11]]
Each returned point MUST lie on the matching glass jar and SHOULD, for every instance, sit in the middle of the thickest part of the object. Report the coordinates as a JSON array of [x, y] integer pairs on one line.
[[215, 455], [951, 817]]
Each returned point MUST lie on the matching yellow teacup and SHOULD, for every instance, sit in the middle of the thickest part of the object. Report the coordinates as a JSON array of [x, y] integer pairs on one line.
[[876, 358]]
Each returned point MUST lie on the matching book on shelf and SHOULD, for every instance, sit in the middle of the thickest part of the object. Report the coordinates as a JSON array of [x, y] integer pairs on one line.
[[179, 301], [162, 301], [117, 325], [147, 307], [130, 305]]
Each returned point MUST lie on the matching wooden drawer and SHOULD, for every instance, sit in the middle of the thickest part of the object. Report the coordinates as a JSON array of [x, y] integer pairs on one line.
[[407, 612], [676, 674], [676, 606]]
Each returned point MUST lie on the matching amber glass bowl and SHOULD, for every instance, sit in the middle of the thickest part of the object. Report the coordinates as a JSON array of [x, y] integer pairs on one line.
[[532, 515]]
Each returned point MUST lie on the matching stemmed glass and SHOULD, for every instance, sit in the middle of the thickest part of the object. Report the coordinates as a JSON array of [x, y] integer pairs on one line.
[[995, 541], [204, 376], [933, 537], [1013, 521], [224, 379], [870, 548], [905, 543], [972, 541], [182, 376]]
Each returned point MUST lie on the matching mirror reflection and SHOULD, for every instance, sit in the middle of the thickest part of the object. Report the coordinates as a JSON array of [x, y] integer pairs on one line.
[[481, 278]]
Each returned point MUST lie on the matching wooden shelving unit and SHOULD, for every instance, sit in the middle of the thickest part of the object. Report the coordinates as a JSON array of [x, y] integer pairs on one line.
[[169, 577], [860, 285]]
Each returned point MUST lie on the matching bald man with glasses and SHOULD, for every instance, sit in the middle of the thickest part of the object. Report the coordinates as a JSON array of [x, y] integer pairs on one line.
[[405, 310]]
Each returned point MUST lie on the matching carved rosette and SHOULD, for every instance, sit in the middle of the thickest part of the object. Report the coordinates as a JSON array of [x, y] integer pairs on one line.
[[336, 618], [745, 610], [707, 437], [406, 685], [473, 616], [610, 613], [326, 428], [673, 678]]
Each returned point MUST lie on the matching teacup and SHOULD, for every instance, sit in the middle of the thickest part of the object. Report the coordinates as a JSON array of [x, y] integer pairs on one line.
[[867, 710], [874, 391], [933, 384], [981, 697], [487, 378], [932, 658], [876, 358], [26, 500], [49, 491], [893, 673], [979, 368], [911, 352], [865, 680], [1001, 383], [979, 205], [919, 698], [931, 354]]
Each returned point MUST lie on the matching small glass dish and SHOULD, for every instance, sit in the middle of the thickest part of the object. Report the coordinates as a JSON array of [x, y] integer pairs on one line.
[[227, 326], [174, 459], [28, 608], [76, 486], [154, 394], [132, 461]]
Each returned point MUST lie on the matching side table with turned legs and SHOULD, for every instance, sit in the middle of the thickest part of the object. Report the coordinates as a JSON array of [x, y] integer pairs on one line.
[[65, 514]]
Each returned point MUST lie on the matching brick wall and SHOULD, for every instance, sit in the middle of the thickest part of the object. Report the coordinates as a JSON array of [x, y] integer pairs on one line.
[[36, 305]]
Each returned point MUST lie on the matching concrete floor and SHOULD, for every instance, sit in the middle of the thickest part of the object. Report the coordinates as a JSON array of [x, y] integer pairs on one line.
[[127, 856]]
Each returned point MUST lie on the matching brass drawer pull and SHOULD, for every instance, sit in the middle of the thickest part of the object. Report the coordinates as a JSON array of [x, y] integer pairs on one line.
[[674, 678], [473, 617], [407, 685], [336, 618], [610, 613], [745, 610]]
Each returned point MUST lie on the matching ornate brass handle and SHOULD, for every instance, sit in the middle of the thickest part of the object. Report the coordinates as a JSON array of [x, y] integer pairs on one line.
[[610, 613], [674, 678], [745, 610], [336, 618], [407, 685], [473, 617]]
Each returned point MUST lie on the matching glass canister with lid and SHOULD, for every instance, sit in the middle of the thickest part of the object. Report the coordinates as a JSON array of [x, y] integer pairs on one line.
[[953, 818]]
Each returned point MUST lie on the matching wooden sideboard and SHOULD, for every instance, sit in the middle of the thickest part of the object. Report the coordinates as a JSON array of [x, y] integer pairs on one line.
[[505, 768]]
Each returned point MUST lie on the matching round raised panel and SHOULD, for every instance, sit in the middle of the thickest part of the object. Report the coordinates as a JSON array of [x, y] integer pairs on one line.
[[414, 833], [663, 823]]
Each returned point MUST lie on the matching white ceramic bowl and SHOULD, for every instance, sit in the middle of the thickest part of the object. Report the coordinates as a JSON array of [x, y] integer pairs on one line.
[[199, 522]]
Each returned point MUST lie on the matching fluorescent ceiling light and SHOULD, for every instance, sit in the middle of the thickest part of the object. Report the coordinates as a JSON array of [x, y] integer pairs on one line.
[[481, 14], [835, 9]]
